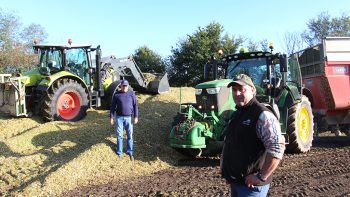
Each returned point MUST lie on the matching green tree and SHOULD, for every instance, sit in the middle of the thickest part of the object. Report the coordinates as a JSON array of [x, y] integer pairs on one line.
[[189, 56], [148, 60], [16, 42], [323, 26]]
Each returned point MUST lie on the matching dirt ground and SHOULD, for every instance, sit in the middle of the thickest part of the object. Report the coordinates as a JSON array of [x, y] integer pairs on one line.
[[324, 171]]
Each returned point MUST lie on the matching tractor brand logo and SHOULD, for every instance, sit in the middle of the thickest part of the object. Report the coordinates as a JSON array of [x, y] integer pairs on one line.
[[246, 122]]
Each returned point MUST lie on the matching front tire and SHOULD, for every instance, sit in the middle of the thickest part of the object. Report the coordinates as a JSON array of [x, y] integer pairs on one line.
[[300, 127], [67, 100]]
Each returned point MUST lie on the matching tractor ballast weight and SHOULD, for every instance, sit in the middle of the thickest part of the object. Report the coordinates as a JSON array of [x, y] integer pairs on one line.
[[67, 82], [277, 80]]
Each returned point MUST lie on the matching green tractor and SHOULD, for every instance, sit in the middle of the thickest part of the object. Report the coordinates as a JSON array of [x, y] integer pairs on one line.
[[197, 128], [67, 82]]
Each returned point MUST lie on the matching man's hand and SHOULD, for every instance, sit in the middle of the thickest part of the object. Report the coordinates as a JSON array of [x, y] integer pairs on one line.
[[136, 120], [112, 121], [252, 180]]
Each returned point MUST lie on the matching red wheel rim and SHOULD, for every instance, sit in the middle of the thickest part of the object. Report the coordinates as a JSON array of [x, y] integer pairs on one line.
[[68, 105]]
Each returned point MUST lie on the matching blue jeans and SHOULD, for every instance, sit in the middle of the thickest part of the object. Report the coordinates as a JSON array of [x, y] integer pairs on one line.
[[238, 190], [121, 123]]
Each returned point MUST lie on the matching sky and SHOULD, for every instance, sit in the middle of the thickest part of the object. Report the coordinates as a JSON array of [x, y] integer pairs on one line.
[[121, 27]]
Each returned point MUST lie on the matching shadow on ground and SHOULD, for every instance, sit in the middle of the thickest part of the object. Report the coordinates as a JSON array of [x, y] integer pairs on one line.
[[150, 138]]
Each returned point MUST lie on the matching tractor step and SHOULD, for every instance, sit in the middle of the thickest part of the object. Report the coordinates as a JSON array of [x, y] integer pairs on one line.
[[95, 100]]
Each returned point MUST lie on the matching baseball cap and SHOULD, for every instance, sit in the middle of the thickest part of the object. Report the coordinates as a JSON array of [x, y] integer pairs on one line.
[[124, 83], [241, 79]]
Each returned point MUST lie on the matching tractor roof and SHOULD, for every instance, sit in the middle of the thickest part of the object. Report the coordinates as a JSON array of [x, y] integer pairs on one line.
[[248, 55], [45, 46]]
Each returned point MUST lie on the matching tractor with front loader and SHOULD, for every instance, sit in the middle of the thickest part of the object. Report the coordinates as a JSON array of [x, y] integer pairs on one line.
[[67, 81], [197, 128]]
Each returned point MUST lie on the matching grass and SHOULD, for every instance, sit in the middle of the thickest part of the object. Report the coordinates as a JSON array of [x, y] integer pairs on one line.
[[48, 158]]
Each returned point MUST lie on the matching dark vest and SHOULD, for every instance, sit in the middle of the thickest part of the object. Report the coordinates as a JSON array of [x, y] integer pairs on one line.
[[243, 151]]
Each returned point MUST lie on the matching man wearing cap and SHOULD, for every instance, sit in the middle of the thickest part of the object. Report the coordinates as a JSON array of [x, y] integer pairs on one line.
[[253, 143], [124, 105]]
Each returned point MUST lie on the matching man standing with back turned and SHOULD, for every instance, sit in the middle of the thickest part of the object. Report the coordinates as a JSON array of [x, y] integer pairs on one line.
[[124, 104], [253, 144]]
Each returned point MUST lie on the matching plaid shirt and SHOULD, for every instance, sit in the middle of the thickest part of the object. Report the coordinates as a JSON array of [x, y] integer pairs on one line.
[[269, 131]]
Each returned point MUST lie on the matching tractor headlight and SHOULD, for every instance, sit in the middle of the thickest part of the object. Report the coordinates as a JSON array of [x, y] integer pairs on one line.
[[198, 91], [213, 90]]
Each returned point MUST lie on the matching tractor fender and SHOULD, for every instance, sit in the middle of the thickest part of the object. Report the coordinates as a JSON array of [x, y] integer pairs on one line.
[[308, 94], [47, 82], [285, 101]]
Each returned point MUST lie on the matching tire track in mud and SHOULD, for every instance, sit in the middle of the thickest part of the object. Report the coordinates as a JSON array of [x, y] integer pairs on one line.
[[324, 171]]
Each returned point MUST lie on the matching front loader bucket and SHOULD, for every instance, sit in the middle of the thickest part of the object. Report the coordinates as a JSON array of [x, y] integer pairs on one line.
[[159, 85]]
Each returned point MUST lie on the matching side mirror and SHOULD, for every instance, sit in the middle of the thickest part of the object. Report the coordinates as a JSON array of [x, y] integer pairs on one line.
[[283, 63], [36, 51], [206, 71]]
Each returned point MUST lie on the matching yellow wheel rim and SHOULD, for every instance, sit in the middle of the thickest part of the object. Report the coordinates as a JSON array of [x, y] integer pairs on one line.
[[304, 124]]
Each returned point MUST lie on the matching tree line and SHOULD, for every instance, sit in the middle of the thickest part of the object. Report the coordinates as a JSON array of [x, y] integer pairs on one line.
[[185, 64]]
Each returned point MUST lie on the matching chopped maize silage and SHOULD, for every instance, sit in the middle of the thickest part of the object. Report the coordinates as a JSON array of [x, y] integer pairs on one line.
[[46, 159]]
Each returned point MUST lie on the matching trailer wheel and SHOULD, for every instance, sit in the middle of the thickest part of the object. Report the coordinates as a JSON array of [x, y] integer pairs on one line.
[[67, 100], [300, 127]]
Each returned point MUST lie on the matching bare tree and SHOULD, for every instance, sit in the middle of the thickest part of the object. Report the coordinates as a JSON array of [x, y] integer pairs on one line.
[[293, 42]]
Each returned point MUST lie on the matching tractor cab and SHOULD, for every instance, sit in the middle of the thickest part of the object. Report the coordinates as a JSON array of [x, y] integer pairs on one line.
[[263, 69], [71, 58]]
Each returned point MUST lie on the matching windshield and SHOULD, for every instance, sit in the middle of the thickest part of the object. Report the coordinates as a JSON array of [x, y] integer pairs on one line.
[[255, 68]]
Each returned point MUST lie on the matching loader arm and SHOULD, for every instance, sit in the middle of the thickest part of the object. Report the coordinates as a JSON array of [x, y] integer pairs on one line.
[[128, 69]]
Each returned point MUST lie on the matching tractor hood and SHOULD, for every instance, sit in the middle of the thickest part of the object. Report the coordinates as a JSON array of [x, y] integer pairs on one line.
[[34, 77], [214, 84]]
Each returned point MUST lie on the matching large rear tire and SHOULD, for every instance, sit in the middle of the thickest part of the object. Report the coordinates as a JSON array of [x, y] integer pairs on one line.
[[66, 100], [300, 127]]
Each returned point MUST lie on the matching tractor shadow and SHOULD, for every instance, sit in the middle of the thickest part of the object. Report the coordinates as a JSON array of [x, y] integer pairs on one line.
[[199, 162], [331, 141], [150, 138], [37, 119]]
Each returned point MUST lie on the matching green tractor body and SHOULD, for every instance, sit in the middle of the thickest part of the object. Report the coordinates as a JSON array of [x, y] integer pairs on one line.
[[278, 86], [67, 82], [198, 124]]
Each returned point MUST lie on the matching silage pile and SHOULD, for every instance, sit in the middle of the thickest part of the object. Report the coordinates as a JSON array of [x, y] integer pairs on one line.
[[46, 159]]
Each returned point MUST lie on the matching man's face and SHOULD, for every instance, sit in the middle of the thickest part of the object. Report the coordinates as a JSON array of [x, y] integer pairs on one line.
[[124, 88], [242, 94]]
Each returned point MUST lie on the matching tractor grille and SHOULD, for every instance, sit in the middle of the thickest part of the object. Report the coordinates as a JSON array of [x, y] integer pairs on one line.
[[206, 101]]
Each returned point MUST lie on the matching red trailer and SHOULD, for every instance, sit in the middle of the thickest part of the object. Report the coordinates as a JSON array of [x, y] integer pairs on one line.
[[325, 74]]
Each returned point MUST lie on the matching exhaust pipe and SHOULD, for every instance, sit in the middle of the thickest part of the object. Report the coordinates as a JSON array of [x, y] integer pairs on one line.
[[98, 71]]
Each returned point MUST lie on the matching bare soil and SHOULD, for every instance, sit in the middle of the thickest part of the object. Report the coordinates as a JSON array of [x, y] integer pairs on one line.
[[324, 171]]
